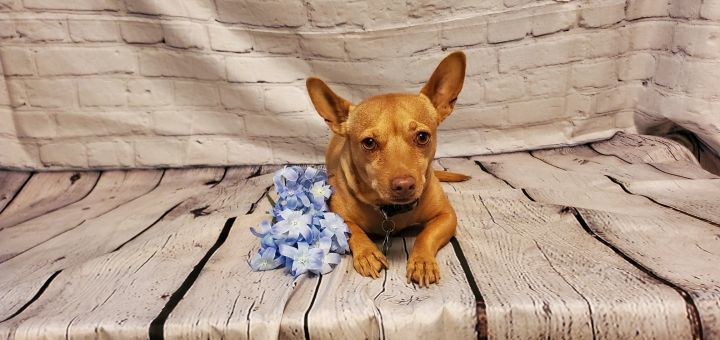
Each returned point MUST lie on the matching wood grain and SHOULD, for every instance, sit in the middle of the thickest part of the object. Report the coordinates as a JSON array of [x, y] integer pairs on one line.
[[231, 300], [113, 189], [120, 293], [26, 273], [645, 149], [541, 275], [350, 306], [45, 192], [10, 184]]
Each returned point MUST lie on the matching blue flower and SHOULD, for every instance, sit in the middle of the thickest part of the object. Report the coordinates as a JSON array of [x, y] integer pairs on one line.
[[319, 192], [335, 225], [265, 234], [266, 260], [330, 259], [303, 258], [294, 223]]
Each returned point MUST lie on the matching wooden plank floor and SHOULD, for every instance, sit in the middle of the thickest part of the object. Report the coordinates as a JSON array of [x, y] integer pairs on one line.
[[615, 239]]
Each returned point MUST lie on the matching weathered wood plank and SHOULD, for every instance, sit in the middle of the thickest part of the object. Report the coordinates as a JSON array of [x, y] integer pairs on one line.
[[119, 294], [671, 245], [645, 149], [349, 306], [541, 275], [24, 274], [46, 192], [696, 197], [231, 300], [10, 183], [113, 189]]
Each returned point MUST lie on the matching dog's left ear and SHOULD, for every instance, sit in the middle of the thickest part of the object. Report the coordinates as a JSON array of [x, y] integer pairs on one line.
[[445, 84]]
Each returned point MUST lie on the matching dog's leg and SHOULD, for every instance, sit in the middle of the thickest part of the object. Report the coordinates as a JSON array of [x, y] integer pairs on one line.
[[422, 267], [367, 258]]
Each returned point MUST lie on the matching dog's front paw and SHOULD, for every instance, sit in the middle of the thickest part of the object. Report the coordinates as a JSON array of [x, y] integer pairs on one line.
[[423, 270], [368, 260]]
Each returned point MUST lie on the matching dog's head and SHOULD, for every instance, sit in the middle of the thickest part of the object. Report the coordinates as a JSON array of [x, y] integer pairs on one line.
[[392, 137]]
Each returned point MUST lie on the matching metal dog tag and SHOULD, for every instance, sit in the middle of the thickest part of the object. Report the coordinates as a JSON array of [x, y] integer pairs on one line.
[[388, 226]]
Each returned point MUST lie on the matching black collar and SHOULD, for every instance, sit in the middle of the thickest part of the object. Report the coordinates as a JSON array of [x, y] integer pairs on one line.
[[391, 210]]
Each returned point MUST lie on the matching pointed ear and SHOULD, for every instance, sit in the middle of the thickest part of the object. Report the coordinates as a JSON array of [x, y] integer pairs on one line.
[[329, 105], [445, 84]]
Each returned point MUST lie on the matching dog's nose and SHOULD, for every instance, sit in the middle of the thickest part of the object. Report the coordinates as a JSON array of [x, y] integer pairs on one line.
[[403, 186]]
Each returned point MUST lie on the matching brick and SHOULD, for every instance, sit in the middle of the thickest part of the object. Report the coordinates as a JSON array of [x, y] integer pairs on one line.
[[160, 152], [74, 5], [611, 100], [669, 71], [579, 105], [463, 33], [7, 5], [228, 39], [94, 30], [141, 32], [702, 41], [64, 154], [7, 122], [536, 111], [398, 43], [276, 42], [185, 35], [551, 22], [172, 123], [35, 124], [323, 45], [110, 154], [625, 120], [483, 117], [248, 152], [206, 151], [295, 151], [82, 61], [82, 124], [605, 43], [50, 93], [42, 30], [506, 28], [596, 74], [701, 79], [599, 127], [149, 92], [275, 126], [285, 99], [17, 61], [273, 13], [102, 92], [217, 123], [187, 65], [327, 13], [7, 30], [4, 95], [710, 10], [245, 97], [550, 81], [651, 35], [196, 9], [541, 53], [281, 69], [507, 87], [603, 15], [637, 66], [473, 92], [481, 61], [22, 155], [689, 9], [637, 9], [513, 3], [17, 93], [189, 93]]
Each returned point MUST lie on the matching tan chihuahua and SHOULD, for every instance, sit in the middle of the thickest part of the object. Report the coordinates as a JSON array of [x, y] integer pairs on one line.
[[378, 162]]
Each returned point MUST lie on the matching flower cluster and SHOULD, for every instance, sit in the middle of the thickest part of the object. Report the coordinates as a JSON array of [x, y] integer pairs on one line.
[[303, 235]]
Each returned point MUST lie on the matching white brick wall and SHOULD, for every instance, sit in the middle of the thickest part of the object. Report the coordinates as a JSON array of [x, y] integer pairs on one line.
[[150, 83]]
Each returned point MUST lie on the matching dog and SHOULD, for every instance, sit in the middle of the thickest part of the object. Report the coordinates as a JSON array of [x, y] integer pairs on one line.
[[379, 165]]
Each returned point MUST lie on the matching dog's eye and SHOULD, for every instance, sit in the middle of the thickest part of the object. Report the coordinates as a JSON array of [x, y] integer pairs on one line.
[[369, 144], [422, 138]]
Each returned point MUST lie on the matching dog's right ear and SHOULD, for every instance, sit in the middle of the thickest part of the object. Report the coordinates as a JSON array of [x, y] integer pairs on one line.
[[329, 105]]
